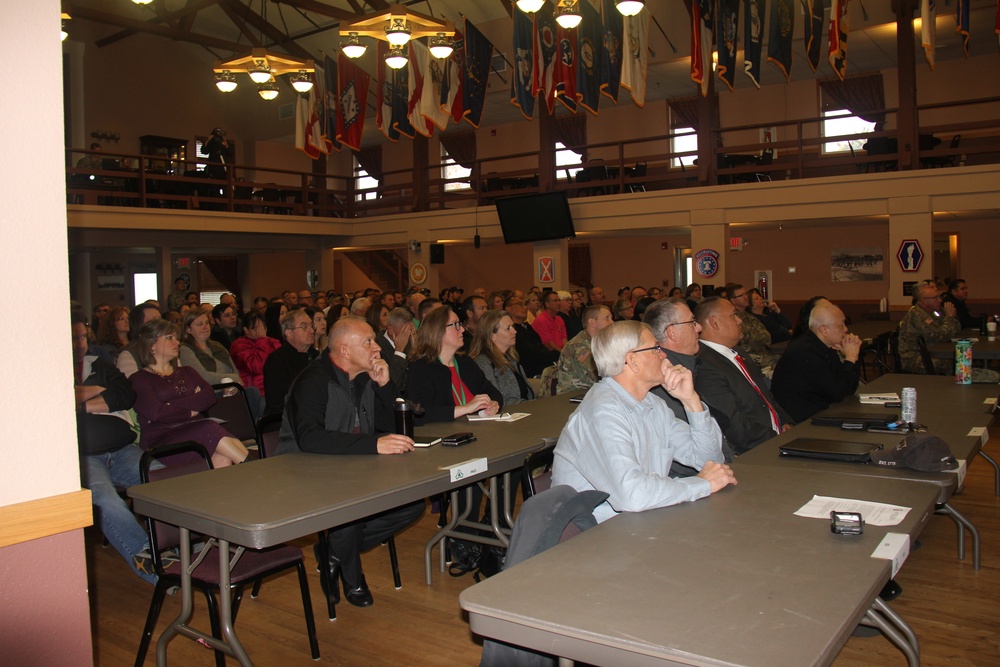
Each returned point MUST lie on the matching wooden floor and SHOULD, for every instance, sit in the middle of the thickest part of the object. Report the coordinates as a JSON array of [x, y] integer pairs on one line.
[[954, 610]]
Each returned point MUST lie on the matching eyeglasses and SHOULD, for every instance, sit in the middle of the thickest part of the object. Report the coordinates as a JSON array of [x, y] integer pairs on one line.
[[458, 325], [657, 348], [677, 324], [739, 296], [305, 327]]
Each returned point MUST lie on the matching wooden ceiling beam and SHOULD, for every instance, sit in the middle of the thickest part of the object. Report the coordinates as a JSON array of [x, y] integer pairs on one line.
[[106, 18], [238, 21], [269, 31], [321, 9], [188, 11]]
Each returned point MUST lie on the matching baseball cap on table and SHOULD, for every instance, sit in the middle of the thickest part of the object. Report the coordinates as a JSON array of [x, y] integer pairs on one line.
[[918, 451]]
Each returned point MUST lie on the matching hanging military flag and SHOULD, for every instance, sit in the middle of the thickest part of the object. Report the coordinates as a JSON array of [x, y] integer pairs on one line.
[[478, 56], [701, 44], [590, 36], [416, 70], [962, 23], [316, 143], [564, 74], [779, 42], [452, 98], [611, 51], [635, 59], [352, 101], [928, 30], [400, 121], [329, 97], [840, 26], [545, 55], [384, 80], [726, 28], [753, 37], [433, 77], [521, 83], [813, 30]]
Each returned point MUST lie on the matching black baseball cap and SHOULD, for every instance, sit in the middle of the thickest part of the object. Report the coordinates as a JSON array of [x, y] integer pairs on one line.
[[918, 451]]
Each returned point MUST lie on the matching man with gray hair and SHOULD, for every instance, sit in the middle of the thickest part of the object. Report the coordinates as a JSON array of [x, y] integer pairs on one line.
[[811, 374], [284, 364], [622, 440], [395, 344]]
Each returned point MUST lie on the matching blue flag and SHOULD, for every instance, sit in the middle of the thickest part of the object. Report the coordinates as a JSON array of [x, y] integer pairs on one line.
[[962, 23], [521, 94], [611, 51], [590, 37], [813, 30], [478, 56], [753, 38], [401, 102], [727, 28], [779, 43]]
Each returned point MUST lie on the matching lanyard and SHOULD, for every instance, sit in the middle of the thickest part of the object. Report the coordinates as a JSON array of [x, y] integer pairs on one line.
[[457, 392]]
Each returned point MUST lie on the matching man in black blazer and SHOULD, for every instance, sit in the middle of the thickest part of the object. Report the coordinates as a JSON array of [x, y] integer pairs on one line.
[[395, 342], [731, 383]]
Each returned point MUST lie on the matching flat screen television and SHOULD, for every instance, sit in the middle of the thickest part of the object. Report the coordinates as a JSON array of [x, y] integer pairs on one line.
[[535, 217]]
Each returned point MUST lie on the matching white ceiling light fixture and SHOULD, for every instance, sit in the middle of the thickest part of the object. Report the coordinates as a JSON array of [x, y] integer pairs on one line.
[[62, 32], [530, 6], [629, 7], [142, 2], [568, 14], [396, 59], [262, 66], [268, 90], [225, 81], [397, 25], [302, 83]]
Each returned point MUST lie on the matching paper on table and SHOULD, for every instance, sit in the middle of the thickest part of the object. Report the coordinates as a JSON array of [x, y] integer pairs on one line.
[[505, 417], [876, 514], [878, 399]]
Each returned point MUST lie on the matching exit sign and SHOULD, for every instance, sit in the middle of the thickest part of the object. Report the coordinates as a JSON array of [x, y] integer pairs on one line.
[[736, 243]]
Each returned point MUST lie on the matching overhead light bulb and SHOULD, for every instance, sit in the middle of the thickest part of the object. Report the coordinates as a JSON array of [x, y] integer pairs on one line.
[[225, 82], [441, 46], [569, 16], [395, 58], [142, 2], [353, 48], [629, 7], [530, 6], [260, 71], [397, 33], [268, 90], [302, 83]]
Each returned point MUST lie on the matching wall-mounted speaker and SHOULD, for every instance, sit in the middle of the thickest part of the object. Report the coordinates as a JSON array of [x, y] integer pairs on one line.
[[437, 253]]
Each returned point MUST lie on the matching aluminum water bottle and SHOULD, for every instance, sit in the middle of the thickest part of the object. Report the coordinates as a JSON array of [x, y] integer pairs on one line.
[[909, 401], [963, 362]]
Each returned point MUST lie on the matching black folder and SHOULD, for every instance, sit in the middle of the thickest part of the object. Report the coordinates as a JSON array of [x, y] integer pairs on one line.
[[830, 450]]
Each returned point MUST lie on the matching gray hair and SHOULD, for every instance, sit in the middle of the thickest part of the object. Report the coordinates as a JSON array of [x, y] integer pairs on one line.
[[400, 316], [342, 328], [288, 321], [613, 343], [662, 313], [360, 306]]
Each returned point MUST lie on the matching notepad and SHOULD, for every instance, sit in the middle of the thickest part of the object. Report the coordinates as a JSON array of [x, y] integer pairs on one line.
[[505, 417]]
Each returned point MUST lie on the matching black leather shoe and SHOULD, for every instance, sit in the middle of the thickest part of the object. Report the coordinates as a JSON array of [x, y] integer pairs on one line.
[[359, 596], [332, 589]]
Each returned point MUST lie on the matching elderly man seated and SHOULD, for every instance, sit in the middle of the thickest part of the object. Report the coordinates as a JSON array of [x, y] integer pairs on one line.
[[342, 403], [622, 439], [576, 368], [811, 374]]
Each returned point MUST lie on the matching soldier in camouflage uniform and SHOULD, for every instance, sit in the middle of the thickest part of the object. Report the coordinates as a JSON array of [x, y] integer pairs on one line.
[[576, 369], [756, 337], [934, 321]]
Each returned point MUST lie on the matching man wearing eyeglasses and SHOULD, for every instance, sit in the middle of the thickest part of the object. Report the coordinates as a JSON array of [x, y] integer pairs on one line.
[[731, 383], [622, 439], [284, 364], [932, 319]]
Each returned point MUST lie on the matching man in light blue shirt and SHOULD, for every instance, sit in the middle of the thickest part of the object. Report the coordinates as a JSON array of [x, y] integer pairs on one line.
[[622, 439]]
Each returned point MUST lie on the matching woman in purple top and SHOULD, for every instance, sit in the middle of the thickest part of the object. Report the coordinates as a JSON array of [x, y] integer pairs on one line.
[[171, 398]]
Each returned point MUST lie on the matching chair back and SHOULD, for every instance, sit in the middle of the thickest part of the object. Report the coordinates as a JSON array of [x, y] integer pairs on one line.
[[269, 427], [955, 141], [233, 408], [536, 472], [767, 155], [163, 536], [925, 356], [893, 350]]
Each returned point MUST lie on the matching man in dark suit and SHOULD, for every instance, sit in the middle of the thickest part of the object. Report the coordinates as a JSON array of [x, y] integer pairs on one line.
[[731, 383], [535, 357], [395, 344]]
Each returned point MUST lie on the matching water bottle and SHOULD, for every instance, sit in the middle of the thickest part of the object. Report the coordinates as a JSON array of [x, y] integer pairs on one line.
[[963, 362], [404, 417], [909, 401]]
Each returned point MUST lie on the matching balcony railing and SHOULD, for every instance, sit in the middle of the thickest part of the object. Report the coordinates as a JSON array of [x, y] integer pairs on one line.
[[950, 134]]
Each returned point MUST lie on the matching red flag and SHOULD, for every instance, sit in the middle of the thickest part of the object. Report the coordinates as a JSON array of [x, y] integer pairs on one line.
[[839, 28], [701, 45], [352, 102], [564, 74], [415, 82], [452, 88], [545, 55]]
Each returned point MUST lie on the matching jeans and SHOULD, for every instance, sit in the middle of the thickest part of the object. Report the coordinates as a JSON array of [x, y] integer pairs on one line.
[[100, 474]]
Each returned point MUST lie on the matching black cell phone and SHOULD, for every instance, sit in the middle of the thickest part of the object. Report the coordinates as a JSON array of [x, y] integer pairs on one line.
[[457, 439]]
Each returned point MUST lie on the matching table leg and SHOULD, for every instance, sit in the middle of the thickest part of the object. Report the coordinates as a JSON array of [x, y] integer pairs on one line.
[[960, 522], [443, 532], [226, 608], [186, 600], [996, 471], [898, 631]]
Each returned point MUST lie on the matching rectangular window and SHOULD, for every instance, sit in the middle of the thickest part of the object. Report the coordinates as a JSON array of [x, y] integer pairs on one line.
[[566, 158], [684, 140], [840, 122], [451, 171], [144, 287], [362, 181]]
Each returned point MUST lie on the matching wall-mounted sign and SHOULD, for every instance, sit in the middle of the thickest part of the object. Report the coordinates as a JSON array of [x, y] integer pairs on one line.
[[910, 255], [546, 270], [418, 273], [706, 262]]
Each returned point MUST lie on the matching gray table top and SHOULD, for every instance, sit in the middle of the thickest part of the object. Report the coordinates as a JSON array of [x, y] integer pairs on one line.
[[936, 392], [266, 502], [981, 349], [732, 579]]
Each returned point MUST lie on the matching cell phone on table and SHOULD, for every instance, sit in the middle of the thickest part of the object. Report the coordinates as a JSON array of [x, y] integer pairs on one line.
[[457, 439]]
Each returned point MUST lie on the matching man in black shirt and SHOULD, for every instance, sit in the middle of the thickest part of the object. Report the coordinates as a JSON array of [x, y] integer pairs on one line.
[[284, 364], [535, 357]]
